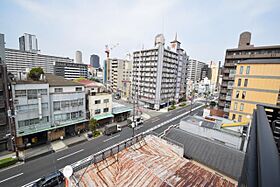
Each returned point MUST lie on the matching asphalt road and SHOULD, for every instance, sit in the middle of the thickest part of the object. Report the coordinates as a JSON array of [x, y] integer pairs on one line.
[[32, 170]]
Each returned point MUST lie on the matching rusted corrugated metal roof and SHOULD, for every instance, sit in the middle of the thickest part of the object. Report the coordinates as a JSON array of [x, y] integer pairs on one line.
[[152, 164]]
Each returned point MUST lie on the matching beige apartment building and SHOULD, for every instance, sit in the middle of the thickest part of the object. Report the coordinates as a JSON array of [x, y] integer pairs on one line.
[[244, 51]]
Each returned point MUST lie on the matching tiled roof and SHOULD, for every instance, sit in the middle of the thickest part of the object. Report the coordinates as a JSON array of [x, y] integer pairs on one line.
[[89, 83], [149, 163], [216, 156]]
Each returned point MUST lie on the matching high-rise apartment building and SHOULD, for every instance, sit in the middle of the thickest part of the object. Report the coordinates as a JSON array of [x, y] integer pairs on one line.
[[245, 51], [28, 42], [159, 74], [79, 57], [194, 70], [94, 61], [121, 77], [256, 82], [18, 61], [206, 72]]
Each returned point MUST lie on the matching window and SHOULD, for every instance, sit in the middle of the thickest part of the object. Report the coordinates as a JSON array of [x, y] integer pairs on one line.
[[237, 94], [58, 90], [97, 111], [97, 101], [20, 93], [81, 102], [241, 70], [235, 106], [65, 104], [74, 115], [241, 106], [246, 83], [56, 105], [105, 109], [62, 117], [233, 116], [239, 82], [43, 91], [79, 89], [248, 70], [74, 103], [239, 118], [34, 121], [243, 95], [106, 101], [32, 94]]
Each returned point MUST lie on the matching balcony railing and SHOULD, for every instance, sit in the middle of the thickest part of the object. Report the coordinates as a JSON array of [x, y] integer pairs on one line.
[[262, 162]]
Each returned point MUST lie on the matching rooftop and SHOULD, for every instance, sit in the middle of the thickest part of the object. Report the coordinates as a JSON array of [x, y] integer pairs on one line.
[[149, 162], [255, 48], [219, 157], [89, 84], [261, 61], [55, 80]]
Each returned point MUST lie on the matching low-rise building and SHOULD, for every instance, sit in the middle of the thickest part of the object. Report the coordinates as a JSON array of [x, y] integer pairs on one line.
[[256, 82], [47, 109], [99, 102]]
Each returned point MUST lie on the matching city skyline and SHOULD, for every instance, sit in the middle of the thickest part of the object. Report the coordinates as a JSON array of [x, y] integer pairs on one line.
[[200, 26]]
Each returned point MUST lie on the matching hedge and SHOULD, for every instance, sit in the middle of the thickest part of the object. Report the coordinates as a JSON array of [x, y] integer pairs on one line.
[[7, 162], [172, 107], [182, 104]]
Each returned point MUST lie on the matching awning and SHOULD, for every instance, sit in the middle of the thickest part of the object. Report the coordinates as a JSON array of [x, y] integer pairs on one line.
[[119, 110], [103, 116]]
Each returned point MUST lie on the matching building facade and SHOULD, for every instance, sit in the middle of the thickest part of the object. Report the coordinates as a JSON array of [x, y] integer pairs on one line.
[[121, 77], [47, 109], [98, 102], [256, 82], [79, 57], [5, 123], [157, 74], [28, 42], [19, 61], [95, 61], [70, 70], [245, 51], [194, 70]]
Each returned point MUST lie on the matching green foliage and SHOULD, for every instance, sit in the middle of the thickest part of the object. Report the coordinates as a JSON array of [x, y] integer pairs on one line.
[[172, 107], [7, 162], [173, 103], [182, 104], [35, 73], [79, 79], [183, 99], [93, 125], [212, 104], [96, 134]]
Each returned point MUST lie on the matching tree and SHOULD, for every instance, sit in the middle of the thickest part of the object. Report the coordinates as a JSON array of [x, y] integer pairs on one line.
[[93, 124], [212, 104], [35, 73]]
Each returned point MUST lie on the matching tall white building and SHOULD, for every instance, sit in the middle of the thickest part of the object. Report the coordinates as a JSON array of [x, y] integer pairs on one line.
[[28, 42], [158, 74], [120, 76], [18, 61], [194, 69], [79, 57]]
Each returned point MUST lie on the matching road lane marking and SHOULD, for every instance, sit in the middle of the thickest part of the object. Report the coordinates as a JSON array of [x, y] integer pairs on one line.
[[11, 177], [111, 138], [70, 154], [168, 115], [155, 119]]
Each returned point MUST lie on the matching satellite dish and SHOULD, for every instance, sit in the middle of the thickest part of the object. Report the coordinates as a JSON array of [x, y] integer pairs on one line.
[[67, 171]]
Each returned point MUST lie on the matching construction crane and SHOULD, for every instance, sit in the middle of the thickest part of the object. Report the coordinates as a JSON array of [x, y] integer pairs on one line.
[[235, 124], [107, 51]]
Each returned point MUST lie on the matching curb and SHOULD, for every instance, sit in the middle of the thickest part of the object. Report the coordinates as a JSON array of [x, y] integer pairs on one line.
[[37, 156]]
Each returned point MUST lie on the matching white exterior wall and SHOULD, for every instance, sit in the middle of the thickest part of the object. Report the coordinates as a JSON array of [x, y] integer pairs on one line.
[[99, 96], [27, 109], [69, 94], [216, 135]]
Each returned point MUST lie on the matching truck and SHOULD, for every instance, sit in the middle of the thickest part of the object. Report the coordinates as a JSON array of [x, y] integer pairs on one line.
[[112, 128], [138, 121]]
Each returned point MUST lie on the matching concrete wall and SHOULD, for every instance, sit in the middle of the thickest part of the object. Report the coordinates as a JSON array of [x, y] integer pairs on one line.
[[99, 96]]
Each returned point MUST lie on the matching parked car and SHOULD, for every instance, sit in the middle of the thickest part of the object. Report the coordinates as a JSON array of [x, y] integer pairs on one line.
[[53, 179], [112, 128]]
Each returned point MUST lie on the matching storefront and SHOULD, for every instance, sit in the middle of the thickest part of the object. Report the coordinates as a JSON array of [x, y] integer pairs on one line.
[[121, 113], [104, 119]]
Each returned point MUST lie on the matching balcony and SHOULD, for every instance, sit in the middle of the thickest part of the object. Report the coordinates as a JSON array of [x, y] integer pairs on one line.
[[226, 110], [224, 91], [228, 97], [241, 56], [262, 162], [230, 64], [226, 71], [222, 97]]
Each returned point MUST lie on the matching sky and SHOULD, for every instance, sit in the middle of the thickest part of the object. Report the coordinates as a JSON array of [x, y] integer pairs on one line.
[[205, 28]]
